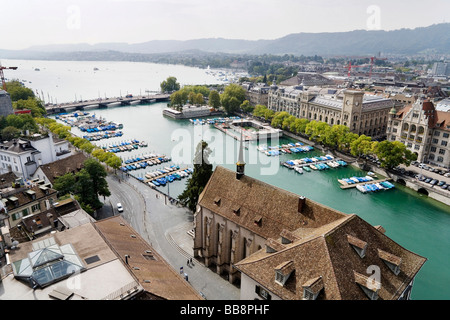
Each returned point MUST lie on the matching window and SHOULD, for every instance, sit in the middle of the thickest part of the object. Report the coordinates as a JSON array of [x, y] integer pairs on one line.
[[435, 141], [416, 147], [444, 143], [445, 135], [433, 149], [440, 159], [25, 212], [441, 151], [35, 207], [260, 291], [437, 133]]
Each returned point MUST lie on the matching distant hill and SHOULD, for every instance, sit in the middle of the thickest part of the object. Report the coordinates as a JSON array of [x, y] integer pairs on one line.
[[435, 38]]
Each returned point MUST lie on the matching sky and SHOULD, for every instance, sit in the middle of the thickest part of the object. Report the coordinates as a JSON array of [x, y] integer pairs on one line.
[[26, 23]]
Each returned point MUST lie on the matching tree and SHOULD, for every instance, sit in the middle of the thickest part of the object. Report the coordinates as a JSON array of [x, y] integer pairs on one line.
[[392, 153], [33, 104], [200, 177], [232, 98], [170, 85], [246, 107], [65, 184], [177, 100], [278, 119], [17, 91], [259, 110], [10, 133], [214, 99], [97, 175], [361, 146]]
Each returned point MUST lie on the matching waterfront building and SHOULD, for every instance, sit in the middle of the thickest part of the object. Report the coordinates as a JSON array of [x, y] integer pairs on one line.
[[47, 173], [424, 130], [23, 155], [362, 113], [256, 93], [280, 245], [5, 104], [190, 112]]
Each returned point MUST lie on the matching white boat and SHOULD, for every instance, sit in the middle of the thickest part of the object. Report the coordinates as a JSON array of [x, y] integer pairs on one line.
[[361, 188], [298, 169]]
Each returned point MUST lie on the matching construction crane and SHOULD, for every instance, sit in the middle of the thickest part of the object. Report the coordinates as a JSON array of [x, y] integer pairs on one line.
[[350, 66], [2, 75]]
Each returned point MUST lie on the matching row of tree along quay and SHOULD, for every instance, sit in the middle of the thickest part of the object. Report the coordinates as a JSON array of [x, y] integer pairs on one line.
[[390, 154], [88, 184]]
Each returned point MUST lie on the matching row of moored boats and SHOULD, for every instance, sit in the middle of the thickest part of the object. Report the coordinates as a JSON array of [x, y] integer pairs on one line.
[[143, 162], [167, 175], [285, 148]]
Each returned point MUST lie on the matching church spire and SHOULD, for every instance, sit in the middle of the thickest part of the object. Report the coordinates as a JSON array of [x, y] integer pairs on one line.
[[240, 163]]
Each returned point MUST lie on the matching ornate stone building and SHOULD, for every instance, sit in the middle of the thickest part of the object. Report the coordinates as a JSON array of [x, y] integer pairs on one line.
[[361, 112], [424, 130]]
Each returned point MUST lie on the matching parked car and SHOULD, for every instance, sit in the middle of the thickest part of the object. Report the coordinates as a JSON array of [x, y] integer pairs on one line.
[[427, 180], [434, 182], [441, 183], [445, 186], [119, 207], [447, 174]]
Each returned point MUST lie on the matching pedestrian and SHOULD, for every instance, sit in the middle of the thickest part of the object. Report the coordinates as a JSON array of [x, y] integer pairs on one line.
[[181, 270], [187, 262], [190, 261]]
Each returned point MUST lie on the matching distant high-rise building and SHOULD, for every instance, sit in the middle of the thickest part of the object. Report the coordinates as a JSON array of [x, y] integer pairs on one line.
[[5, 104]]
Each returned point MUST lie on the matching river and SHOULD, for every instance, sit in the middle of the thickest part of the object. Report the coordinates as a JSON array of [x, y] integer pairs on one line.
[[416, 222]]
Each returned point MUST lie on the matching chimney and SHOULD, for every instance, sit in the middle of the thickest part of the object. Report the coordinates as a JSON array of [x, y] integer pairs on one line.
[[301, 203], [126, 258]]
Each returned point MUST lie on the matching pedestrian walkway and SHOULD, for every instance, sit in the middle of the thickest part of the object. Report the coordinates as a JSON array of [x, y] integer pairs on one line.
[[168, 229]]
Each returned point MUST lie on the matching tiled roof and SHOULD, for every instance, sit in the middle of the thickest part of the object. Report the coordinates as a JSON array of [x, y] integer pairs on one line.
[[154, 274], [264, 209], [327, 253], [59, 168]]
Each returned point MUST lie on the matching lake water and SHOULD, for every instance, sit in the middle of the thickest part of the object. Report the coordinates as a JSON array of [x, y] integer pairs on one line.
[[416, 222]]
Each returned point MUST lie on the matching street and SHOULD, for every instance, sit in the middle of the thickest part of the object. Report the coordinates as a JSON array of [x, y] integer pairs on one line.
[[164, 226]]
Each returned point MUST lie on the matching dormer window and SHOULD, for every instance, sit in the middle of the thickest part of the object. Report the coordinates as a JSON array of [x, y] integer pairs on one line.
[[217, 201], [258, 220], [283, 271], [236, 210], [370, 286], [358, 245], [273, 246], [312, 288], [288, 237], [393, 262]]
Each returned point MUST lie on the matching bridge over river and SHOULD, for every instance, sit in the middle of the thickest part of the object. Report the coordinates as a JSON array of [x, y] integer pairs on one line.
[[99, 103]]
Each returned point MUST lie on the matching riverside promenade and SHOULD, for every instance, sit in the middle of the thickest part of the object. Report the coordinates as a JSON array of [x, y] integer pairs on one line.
[[166, 227]]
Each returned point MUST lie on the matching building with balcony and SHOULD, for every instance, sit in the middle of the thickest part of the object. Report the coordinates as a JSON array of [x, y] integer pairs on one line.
[[424, 130], [24, 155]]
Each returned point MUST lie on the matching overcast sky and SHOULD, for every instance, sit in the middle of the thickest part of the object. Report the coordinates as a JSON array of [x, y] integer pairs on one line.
[[24, 23]]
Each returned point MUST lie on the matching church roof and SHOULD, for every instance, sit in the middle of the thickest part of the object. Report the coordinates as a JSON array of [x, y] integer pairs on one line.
[[332, 253], [260, 207]]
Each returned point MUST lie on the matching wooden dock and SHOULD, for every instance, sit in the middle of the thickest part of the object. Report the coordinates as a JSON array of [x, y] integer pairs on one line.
[[144, 160], [164, 175], [345, 185]]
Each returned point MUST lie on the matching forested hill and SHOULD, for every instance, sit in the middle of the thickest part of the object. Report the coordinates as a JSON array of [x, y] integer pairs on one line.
[[435, 38]]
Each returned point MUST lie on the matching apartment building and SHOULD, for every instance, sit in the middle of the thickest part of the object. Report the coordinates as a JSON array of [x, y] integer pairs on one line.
[[424, 130]]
